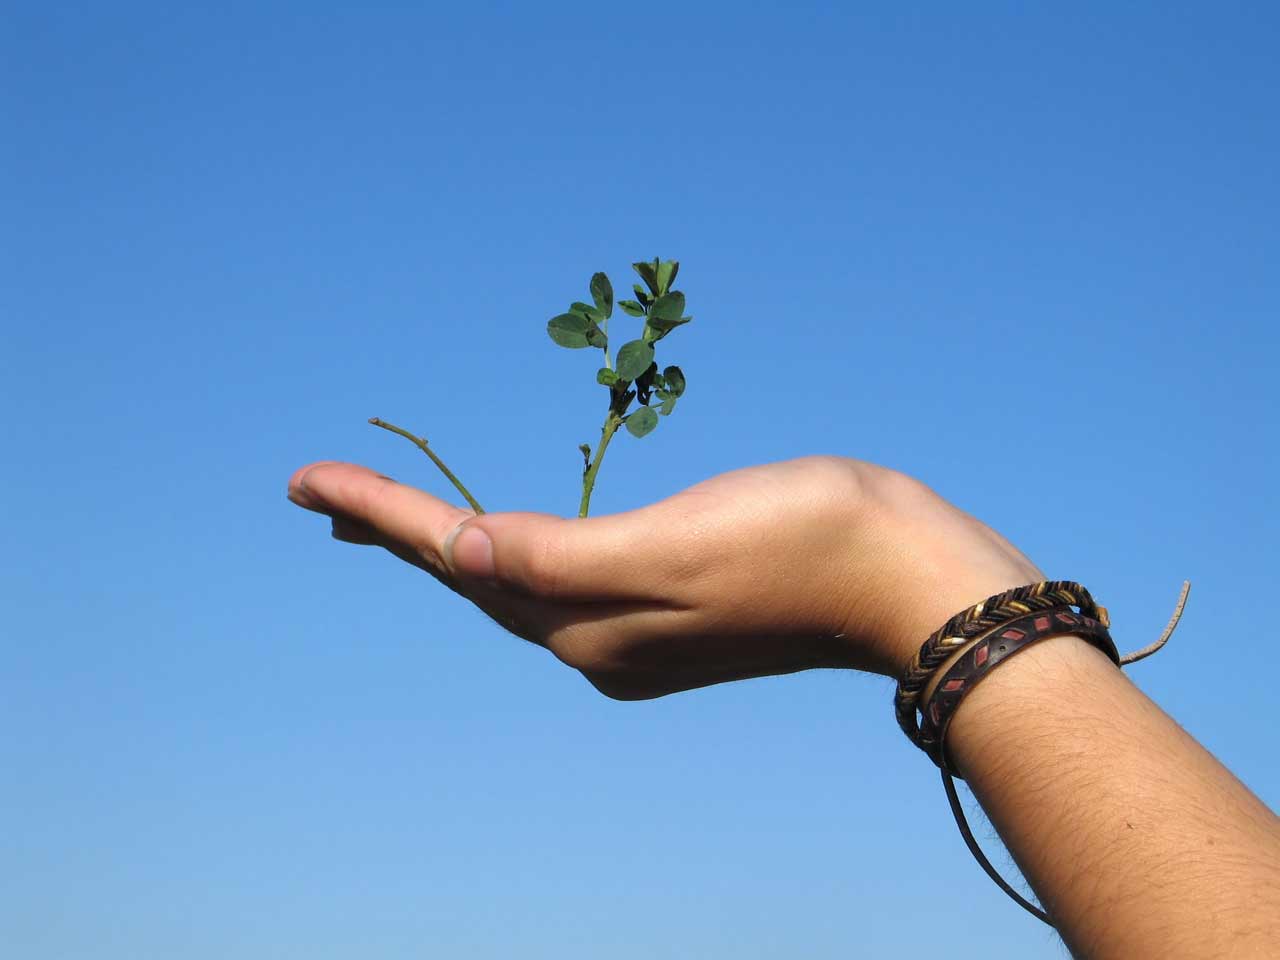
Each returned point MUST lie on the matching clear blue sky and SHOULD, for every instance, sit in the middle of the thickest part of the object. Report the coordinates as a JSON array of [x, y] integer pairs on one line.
[[1029, 256]]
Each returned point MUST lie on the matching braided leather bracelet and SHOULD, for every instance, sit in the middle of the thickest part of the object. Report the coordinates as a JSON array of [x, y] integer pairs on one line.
[[980, 618], [987, 654], [1026, 614]]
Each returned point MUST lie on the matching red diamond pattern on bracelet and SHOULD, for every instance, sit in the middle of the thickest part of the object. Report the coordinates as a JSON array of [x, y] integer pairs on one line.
[[976, 663]]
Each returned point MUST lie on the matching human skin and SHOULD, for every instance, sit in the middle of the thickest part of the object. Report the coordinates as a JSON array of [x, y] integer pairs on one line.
[[1137, 841]]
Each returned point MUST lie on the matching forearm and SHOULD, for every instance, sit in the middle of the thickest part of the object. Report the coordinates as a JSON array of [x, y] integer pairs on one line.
[[1137, 841]]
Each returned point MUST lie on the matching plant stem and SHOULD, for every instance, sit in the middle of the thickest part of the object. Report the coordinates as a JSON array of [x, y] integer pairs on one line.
[[611, 424], [422, 445]]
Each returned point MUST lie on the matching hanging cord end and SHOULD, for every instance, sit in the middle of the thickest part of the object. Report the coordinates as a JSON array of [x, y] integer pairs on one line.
[[1172, 625], [953, 798]]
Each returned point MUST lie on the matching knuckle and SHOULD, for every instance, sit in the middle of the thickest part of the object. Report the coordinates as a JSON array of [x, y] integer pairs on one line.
[[374, 493], [844, 476], [893, 487], [864, 486], [367, 501]]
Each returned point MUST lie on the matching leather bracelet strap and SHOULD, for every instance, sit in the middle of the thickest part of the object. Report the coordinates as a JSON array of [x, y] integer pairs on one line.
[[978, 627], [978, 619], [998, 646]]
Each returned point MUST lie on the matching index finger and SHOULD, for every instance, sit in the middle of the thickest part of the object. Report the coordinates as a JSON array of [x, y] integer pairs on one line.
[[400, 513], [540, 555]]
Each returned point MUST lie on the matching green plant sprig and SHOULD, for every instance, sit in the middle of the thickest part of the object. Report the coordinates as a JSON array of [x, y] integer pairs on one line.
[[629, 376], [425, 448], [634, 375]]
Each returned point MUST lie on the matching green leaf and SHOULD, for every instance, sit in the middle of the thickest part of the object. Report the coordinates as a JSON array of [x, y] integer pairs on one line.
[[649, 274], [586, 310], [606, 377], [569, 330], [602, 294], [643, 295], [660, 328], [642, 422], [666, 310], [634, 359], [596, 337], [664, 316], [667, 271], [675, 381], [631, 307], [668, 405]]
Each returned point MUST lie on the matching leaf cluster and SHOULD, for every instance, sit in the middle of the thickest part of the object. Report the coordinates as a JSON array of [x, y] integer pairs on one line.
[[634, 374]]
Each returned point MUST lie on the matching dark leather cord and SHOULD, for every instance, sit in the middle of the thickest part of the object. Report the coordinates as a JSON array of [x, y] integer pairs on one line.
[[1006, 641], [981, 617], [948, 782]]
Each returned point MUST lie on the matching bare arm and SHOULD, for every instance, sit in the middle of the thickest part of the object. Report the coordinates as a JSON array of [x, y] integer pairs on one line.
[[1137, 841]]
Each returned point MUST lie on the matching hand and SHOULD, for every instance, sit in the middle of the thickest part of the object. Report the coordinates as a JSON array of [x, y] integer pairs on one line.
[[817, 562]]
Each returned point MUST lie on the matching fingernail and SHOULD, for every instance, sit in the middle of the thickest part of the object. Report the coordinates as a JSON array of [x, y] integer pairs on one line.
[[298, 490], [303, 497], [469, 551], [307, 497]]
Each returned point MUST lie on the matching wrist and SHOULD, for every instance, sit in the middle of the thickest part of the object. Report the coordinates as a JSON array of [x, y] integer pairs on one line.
[[907, 614], [928, 560]]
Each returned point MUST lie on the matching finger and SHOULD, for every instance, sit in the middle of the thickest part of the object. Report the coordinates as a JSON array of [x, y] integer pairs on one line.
[[601, 559], [391, 513], [592, 560], [298, 495], [353, 531]]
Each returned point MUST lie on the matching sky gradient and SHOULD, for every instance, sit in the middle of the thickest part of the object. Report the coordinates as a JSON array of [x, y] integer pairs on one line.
[[1027, 256]]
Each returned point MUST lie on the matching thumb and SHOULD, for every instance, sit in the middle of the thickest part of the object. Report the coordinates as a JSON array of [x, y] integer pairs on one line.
[[533, 553], [546, 556]]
